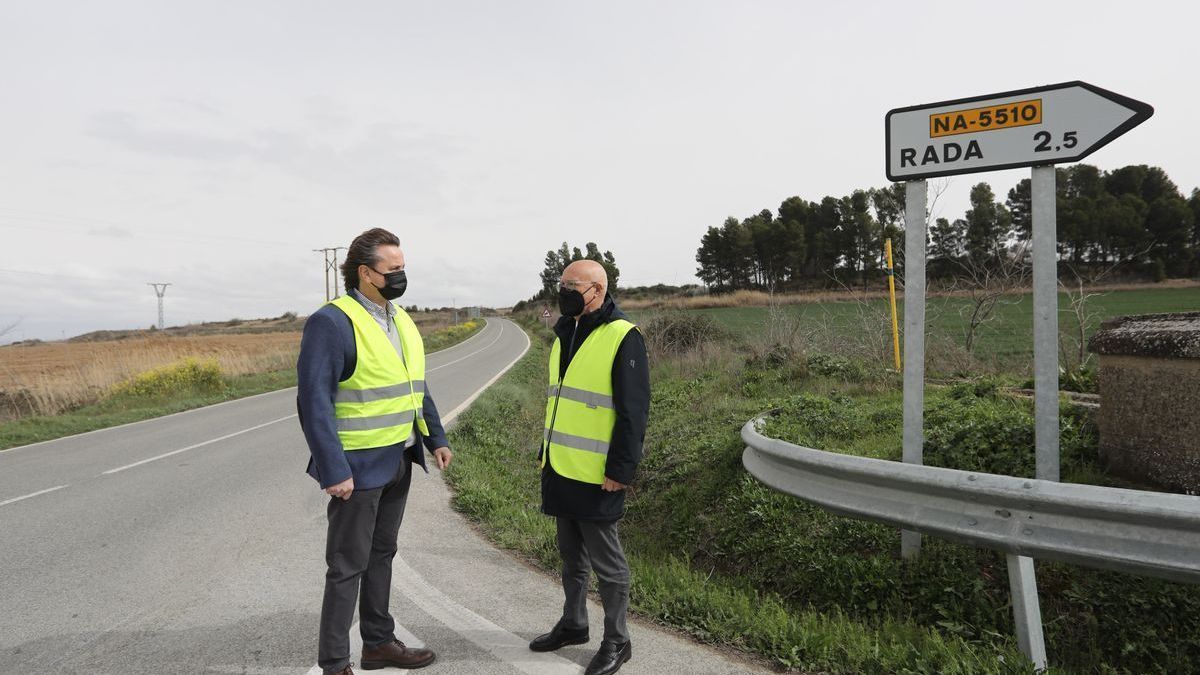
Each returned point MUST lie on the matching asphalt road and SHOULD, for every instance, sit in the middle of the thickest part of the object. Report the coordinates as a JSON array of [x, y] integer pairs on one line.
[[194, 543]]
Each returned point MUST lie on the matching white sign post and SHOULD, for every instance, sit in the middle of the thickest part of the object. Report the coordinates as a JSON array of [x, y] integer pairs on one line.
[[1037, 127]]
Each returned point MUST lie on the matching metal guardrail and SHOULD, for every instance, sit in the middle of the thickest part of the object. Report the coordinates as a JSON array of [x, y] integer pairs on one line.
[[1147, 533]]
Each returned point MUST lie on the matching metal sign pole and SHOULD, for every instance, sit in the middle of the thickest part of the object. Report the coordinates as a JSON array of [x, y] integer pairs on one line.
[[1045, 321], [1022, 580], [915, 195]]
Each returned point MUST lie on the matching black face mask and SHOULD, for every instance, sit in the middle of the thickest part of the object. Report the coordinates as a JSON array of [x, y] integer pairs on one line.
[[570, 301], [394, 284]]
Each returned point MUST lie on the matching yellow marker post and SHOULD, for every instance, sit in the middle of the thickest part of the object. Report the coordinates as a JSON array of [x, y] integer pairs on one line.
[[892, 293]]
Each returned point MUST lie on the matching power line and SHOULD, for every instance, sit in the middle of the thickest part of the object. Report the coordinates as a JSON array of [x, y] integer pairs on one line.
[[91, 227], [331, 268], [160, 290]]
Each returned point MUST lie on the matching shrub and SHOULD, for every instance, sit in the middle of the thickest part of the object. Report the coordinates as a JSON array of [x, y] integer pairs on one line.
[[678, 332], [451, 335], [1083, 380], [976, 427], [189, 375], [842, 368]]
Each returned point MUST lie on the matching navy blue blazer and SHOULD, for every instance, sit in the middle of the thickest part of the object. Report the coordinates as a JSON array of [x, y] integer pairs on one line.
[[327, 356]]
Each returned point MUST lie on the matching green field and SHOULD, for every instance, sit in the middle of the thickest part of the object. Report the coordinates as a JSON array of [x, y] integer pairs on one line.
[[726, 559], [1006, 340]]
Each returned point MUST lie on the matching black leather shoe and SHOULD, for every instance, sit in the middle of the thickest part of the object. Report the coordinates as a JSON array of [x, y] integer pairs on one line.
[[559, 637], [610, 658]]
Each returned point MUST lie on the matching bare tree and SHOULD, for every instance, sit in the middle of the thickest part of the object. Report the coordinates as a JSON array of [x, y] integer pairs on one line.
[[988, 283], [1072, 346]]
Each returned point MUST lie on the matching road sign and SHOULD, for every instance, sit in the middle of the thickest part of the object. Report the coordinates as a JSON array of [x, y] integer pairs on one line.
[[546, 313], [1044, 125]]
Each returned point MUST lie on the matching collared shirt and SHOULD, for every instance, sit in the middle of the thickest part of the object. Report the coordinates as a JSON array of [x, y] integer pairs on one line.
[[382, 315]]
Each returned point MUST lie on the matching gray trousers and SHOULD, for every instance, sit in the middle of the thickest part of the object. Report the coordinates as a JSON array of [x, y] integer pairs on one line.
[[359, 547], [584, 546]]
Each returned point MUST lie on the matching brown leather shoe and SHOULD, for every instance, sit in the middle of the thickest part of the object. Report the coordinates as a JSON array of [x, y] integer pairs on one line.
[[396, 655], [344, 671]]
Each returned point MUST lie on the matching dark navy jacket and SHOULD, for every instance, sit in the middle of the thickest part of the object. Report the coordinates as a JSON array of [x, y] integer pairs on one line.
[[574, 499], [327, 356]]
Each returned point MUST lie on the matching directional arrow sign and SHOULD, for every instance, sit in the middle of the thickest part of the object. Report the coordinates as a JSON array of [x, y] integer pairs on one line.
[[1043, 125]]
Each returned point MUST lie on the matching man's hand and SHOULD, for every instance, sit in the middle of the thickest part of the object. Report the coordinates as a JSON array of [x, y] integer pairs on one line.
[[342, 490], [443, 457], [611, 485]]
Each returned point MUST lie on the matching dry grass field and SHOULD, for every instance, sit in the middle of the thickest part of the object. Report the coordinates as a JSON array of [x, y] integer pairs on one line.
[[48, 378]]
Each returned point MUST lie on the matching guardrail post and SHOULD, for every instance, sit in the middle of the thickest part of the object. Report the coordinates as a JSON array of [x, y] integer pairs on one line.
[[915, 194], [1027, 611]]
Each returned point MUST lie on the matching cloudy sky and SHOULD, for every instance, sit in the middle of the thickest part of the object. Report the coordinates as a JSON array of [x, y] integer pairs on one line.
[[214, 144]]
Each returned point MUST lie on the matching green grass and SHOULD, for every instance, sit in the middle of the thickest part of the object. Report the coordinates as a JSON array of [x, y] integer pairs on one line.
[[496, 481], [1008, 339], [126, 408], [719, 555]]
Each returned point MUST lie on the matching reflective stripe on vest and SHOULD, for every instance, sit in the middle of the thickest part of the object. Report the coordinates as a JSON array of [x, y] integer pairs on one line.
[[379, 403], [579, 405], [577, 442], [590, 399], [365, 395]]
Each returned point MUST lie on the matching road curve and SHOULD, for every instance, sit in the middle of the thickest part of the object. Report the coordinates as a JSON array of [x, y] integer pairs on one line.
[[194, 543]]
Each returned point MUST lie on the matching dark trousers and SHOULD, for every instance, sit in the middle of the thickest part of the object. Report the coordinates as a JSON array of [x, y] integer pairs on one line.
[[584, 546], [359, 549]]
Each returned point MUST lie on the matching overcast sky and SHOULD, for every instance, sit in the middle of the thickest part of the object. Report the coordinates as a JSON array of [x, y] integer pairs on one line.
[[214, 144]]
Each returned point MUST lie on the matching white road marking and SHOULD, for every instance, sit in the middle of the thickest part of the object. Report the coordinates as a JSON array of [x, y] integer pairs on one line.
[[509, 648], [464, 358], [471, 399], [198, 445], [6, 502], [145, 421]]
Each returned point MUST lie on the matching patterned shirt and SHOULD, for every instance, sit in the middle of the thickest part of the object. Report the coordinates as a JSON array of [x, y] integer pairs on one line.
[[382, 315]]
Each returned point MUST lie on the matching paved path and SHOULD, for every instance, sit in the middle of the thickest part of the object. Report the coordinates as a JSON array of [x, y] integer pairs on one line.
[[194, 543]]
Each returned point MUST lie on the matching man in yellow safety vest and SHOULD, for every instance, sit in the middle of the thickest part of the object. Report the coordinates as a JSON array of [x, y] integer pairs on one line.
[[366, 412], [597, 405]]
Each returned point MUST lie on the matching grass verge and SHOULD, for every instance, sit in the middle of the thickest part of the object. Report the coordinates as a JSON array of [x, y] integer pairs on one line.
[[131, 407], [718, 555], [452, 335]]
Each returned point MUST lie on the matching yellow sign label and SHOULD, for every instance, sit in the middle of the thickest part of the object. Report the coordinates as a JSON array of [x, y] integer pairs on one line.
[[1005, 116]]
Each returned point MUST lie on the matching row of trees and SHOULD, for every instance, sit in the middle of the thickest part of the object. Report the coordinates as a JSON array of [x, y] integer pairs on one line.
[[557, 261], [1133, 216]]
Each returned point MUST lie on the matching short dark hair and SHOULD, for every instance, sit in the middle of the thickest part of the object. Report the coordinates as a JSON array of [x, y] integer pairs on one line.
[[364, 250]]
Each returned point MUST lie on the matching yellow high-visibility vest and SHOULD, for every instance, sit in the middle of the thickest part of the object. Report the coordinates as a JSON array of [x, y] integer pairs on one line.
[[579, 405], [383, 398]]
